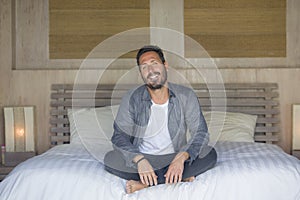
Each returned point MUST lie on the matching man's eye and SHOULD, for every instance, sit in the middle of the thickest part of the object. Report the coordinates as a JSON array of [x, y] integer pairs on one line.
[[154, 64]]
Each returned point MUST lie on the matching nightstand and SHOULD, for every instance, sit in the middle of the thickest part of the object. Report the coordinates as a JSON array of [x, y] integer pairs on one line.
[[15, 158], [4, 171], [12, 159], [296, 153]]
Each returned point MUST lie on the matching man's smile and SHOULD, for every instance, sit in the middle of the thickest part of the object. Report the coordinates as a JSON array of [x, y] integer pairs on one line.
[[153, 77]]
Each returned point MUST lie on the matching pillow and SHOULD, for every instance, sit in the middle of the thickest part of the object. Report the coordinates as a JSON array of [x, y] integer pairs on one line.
[[237, 127], [93, 127], [95, 122]]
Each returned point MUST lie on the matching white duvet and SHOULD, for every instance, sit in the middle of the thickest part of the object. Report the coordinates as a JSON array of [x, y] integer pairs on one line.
[[246, 171]]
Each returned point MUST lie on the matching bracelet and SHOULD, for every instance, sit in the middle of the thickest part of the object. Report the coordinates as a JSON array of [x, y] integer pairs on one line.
[[137, 162]]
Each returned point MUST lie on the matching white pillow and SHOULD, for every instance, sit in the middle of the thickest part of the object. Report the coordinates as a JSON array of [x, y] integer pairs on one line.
[[93, 127], [237, 127], [91, 122]]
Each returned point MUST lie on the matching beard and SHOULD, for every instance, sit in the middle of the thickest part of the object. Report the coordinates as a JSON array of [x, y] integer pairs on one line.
[[156, 84]]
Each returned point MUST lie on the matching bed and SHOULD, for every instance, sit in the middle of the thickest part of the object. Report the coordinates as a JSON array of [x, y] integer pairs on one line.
[[250, 166]]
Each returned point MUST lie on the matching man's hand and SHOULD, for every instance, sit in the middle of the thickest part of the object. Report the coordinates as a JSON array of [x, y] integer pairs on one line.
[[145, 170], [175, 171]]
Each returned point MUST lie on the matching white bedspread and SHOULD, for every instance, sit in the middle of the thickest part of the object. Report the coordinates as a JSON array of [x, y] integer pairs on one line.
[[244, 171]]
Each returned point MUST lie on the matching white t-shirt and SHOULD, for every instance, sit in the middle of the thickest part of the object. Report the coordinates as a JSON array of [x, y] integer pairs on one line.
[[157, 139]]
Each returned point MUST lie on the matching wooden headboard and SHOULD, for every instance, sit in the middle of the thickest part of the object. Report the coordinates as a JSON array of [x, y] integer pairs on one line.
[[259, 99]]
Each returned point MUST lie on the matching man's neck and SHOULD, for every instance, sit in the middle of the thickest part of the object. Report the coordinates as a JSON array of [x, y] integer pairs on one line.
[[159, 96]]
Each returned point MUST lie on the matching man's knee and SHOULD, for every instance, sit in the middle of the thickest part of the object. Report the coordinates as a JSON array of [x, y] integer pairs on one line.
[[209, 156], [213, 156], [111, 158], [108, 157]]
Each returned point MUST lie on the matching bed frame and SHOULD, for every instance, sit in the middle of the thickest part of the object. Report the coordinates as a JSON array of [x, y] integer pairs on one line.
[[259, 99]]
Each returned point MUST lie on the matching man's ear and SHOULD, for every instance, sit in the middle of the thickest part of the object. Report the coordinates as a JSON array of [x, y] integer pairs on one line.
[[166, 65]]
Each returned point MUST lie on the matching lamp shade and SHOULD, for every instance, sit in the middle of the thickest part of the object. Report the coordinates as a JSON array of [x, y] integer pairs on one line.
[[296, 127], [19, 129]]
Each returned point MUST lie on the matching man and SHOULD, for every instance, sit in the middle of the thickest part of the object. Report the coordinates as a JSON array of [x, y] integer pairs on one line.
[[150, 130]]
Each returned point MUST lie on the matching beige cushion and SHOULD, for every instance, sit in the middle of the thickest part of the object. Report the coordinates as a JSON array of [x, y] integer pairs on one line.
[[95, 125], [93, 128], [91, 123], [237, 127]]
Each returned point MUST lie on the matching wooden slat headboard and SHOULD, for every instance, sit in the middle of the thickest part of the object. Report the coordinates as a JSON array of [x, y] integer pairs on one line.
[[259, 99]]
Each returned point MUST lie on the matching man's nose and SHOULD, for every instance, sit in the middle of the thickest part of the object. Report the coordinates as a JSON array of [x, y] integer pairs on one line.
[[150, 68]]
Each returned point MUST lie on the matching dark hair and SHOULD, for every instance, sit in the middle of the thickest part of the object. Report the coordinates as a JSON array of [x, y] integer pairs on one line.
[[148, 48]]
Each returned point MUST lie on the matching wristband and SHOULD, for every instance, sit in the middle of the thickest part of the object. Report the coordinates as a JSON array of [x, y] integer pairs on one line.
[[137, 162]]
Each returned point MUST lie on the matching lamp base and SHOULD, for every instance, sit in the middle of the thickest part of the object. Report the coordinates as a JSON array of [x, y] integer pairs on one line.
[[15, 158]]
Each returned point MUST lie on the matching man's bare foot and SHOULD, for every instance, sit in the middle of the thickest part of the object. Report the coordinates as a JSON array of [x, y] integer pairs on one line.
[[190, 179], [132, 186]]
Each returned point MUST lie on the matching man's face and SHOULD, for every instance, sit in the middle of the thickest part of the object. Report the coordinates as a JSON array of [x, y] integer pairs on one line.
[[153, 71]]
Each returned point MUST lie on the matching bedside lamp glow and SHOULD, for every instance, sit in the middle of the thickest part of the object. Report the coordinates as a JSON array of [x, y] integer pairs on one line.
[[20, 132], [296, 127], [19, 129]]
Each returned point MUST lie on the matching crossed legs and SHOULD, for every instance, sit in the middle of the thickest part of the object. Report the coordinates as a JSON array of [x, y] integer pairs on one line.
[[115, 164]]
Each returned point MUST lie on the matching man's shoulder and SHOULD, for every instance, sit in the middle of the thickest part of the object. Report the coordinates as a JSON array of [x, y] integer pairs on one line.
[[180, 88], [136, 92], [132, 97]]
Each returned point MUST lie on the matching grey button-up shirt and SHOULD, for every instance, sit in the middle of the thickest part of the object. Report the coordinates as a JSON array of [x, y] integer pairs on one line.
[[184, 113]]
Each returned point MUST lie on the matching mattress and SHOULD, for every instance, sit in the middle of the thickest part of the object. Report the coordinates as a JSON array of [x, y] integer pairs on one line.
[[243, 171]]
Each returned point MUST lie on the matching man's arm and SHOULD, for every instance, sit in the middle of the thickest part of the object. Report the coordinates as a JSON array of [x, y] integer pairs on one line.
[[123, 135], [122, 142], [175, 170], [197, 127], [145, 170]]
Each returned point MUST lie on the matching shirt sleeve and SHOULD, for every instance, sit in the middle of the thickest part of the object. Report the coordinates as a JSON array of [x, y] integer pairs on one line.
[[123, 135], [197, 127]]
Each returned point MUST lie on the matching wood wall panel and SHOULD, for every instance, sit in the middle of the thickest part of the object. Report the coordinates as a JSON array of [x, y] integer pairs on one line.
[[235, 3], [32, 87], [97, 4], [239, 46], [29, 20], [76, 27], [293, 32], [228, 28]]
